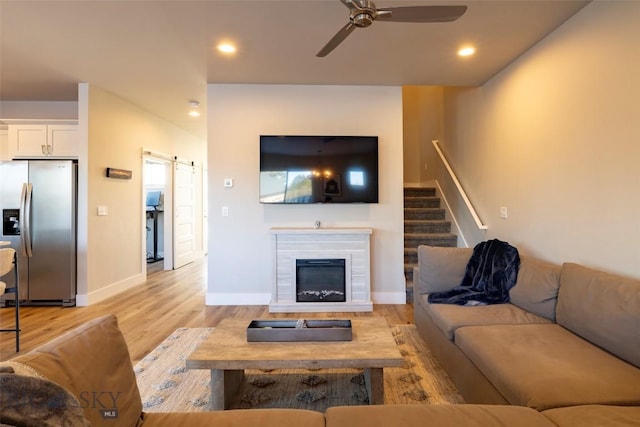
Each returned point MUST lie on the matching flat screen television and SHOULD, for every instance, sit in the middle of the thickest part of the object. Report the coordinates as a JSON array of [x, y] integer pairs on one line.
[[318, 169]]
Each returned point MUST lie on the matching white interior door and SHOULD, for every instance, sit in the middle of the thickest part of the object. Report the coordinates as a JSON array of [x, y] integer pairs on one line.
[[184, 187]]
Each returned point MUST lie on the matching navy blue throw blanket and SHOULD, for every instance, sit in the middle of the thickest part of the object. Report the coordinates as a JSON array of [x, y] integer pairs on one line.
[[491, 271]]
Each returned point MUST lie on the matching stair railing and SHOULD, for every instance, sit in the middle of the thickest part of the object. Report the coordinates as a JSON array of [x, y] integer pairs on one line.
[[461, 191]]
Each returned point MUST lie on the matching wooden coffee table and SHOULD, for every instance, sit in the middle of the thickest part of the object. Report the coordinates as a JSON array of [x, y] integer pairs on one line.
[[227, 354]]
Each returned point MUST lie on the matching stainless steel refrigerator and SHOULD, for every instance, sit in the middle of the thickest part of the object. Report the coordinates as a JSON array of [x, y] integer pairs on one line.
[[38, 200]]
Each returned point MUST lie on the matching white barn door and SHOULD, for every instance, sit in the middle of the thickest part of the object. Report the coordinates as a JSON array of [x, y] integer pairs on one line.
[[184, 188]]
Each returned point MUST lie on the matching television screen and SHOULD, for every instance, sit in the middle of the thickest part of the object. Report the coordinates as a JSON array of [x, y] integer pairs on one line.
[[318, 169]]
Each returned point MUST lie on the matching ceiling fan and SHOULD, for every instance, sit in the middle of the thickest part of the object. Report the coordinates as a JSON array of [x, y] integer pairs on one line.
[[364, 12]]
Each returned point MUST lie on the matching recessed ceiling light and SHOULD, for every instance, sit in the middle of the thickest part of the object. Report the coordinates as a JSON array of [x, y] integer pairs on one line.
[[466, 51], [226, 48]]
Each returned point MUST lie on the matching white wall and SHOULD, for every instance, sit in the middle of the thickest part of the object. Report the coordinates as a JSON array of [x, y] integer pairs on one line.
[[555, 139], [240, 257]]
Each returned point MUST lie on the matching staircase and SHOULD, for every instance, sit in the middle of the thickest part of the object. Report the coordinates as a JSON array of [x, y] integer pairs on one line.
[[424, 224]]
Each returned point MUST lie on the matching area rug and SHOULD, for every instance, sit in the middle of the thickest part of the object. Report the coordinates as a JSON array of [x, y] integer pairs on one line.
[[167, 386]]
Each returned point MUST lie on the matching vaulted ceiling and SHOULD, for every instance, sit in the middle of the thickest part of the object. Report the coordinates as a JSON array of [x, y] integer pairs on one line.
[[161, 54]]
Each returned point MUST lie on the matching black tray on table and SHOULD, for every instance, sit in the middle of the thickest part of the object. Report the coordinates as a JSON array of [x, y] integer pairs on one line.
[[299, 330]]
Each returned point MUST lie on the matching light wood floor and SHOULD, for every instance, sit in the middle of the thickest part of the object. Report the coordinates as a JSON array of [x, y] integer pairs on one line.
[[149, 312]]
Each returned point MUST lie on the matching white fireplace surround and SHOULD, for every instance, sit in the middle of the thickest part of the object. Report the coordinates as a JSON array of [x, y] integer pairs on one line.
[[350, 244]]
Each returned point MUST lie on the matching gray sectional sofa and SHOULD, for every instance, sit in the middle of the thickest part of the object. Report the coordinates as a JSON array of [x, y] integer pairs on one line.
[[92, 364], [567, 343], [564, 352]]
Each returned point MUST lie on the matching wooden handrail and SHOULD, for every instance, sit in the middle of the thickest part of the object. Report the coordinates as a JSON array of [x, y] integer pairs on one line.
[[453, 176]]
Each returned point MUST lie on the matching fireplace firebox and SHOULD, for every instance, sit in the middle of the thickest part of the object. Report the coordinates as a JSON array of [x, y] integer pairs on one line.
[[320, 280]]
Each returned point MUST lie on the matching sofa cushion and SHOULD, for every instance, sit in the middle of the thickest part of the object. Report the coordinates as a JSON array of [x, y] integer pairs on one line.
[[92, 362], [450, 317], [595, 416], [434, 415], [237, 418], [536, 289], [602, 308], [546, 366], [441, 269]]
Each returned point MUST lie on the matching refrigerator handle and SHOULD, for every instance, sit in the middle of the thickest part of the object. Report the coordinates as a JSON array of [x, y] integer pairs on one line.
[[23, 201], [26, 221]]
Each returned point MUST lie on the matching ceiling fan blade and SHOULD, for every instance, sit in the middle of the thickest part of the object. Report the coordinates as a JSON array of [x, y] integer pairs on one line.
[[336, 40], [421, 13], [349, 3]]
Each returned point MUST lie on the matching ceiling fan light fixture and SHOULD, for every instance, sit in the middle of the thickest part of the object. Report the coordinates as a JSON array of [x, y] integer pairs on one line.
[[362, 20]]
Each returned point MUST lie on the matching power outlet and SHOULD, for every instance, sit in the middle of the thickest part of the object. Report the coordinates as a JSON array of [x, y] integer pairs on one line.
[[103, 211], [225, 211]]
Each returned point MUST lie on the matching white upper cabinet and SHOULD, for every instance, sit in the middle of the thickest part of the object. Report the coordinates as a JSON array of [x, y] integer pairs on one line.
[[43, 140], [63, 140], [4, 145]]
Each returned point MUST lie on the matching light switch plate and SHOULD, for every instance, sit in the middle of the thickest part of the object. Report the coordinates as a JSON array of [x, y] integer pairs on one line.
[[228, 182]]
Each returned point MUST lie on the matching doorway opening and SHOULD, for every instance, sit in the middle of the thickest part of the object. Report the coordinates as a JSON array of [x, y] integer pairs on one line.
[[157, 213]]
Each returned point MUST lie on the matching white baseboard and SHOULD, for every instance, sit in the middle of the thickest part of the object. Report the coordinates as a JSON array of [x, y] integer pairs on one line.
[[422, 184], [216, 298], [319, 307], [265, 298], [389, 297], [83, 300]]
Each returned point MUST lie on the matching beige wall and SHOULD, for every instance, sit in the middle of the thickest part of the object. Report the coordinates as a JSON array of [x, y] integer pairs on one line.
[[555, 139], [110, 248], [423, 122], [240, 254]]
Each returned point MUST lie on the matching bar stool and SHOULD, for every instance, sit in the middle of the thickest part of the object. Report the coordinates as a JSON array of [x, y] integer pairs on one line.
[[8, 262]]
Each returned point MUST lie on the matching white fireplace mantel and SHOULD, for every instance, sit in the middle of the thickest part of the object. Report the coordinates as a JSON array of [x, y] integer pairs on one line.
[[351, 244]]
